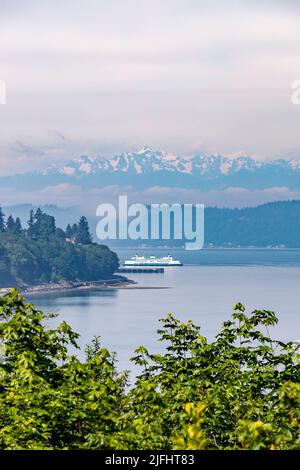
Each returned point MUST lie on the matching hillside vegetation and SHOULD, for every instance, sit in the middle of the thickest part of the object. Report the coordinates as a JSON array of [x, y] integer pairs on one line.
[[240, 391], [272, 224], [268, 225], [44, 253]]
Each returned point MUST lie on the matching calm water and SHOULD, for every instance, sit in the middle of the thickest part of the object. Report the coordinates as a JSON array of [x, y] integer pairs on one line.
[[204, 289]]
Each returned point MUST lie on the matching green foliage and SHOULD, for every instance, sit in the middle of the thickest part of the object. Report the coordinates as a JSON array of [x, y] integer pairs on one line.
[[30, 223], [48, 399], [18, 226], [41, 226], [10, 224], [281, 425], [13, 226], [44, 253], [272, 224], [192, 435], [240, 391], [69, 232], [83, 235], [2, 222], [240, 379]]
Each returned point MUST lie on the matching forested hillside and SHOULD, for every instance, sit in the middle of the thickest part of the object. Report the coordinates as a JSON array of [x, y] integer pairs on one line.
[[41, 252], [272, 224], [276, 224]]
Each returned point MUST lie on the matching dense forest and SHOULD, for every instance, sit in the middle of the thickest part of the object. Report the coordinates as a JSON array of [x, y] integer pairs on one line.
[[275, 224], [272, 224], [42, 252], [240, 391]]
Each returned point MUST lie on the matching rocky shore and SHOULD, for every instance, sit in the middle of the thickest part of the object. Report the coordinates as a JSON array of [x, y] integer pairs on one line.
[[48, 288], [53, 287]]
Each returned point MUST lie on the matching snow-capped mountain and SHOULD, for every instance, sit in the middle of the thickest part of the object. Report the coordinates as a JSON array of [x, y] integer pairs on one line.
[[146, 167], [146, 160]]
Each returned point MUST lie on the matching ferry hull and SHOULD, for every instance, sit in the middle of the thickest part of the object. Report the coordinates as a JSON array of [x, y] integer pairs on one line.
[[152, 264], [152, 261]]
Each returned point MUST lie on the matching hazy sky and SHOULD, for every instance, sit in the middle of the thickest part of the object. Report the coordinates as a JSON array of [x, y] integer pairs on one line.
[[181, 75]]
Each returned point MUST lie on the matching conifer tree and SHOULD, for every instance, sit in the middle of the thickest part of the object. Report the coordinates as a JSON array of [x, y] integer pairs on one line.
[[74, 231], [30, 230], [18, 225], [2, 223], [10, 224], [38, 222], [69, 232], [83, 235]]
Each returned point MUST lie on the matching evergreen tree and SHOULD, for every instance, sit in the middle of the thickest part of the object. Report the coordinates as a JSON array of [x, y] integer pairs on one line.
[[38, 222], [30, 230], [47, 227], [18, 226], [41, 225], [2, 223], [83, 235], [60, 234], [69, 232], [74, 231], [10, 224], [44, 255]]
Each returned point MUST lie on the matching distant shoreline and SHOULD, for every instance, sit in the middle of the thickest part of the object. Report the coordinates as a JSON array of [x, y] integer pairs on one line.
[[205, 248]]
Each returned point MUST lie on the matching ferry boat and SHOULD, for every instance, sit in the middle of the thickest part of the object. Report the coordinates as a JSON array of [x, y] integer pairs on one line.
[[152, 261]]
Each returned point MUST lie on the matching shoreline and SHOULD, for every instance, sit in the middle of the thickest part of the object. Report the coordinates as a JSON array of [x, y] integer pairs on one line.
[[120, 282], [89, 288]]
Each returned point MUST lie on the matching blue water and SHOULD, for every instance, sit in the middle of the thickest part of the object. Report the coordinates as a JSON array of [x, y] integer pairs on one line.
[[204, 289], [222, 257]]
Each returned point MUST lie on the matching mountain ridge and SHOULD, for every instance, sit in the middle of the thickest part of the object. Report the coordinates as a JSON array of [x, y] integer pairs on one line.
[[145, 168], [145, 160]]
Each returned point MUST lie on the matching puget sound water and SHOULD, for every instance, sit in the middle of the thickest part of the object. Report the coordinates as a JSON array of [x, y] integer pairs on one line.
[[204, 290]]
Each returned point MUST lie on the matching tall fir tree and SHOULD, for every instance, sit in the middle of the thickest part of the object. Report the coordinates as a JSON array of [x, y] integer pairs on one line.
[[41, 226], [10, 224], [47, 227], [74, 231], [69, 232], [2, 222], [38, 216], [83, 235], [18, 226], [30, 230]]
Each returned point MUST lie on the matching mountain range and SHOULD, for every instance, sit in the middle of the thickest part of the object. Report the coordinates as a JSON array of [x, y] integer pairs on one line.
[[146, 168]]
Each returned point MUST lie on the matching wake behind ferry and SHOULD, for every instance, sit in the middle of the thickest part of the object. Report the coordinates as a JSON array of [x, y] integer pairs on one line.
[[152, 261]]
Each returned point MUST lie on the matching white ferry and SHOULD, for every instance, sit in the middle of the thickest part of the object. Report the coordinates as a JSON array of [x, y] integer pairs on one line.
[[152, 261]]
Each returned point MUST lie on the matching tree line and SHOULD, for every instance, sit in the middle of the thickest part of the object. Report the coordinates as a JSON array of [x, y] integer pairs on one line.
[[42, 226], [43, 252]]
